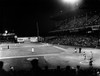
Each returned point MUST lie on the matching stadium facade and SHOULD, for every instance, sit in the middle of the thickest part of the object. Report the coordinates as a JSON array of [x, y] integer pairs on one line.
[[13, 38], [8, 37]]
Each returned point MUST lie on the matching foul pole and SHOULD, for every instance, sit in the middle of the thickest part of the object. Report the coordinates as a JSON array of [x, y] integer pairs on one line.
[[37, 30]]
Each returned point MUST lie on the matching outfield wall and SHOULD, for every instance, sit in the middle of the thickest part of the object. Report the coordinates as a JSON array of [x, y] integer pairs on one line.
[[27, 39]]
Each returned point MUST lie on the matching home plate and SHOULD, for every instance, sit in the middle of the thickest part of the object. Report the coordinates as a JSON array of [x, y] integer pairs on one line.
[[85, 62]]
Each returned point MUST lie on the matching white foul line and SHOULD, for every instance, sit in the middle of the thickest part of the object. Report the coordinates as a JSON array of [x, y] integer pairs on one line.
[[60, 48]]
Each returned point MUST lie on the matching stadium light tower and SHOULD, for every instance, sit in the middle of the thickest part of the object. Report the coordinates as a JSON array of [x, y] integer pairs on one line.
[[72, 4], [37, 28], [70, 1], [6, 31]]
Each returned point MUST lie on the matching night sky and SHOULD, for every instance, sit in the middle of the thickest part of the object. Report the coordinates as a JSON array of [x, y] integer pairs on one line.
[[21, 16]]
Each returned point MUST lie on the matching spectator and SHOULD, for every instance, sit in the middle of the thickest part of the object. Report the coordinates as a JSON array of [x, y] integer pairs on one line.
[[2, 71]]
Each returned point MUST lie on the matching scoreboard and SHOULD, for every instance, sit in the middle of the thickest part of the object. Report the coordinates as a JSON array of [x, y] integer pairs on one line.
[[27, 39], [33, 39]]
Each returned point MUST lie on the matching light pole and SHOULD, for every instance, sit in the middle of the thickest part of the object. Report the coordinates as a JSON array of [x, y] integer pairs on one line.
[[37, 30]]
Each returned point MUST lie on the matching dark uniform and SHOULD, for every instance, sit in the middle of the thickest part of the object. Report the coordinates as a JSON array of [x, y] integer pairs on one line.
[[80, 50], [8, 46], [91, 61], [84, 54]]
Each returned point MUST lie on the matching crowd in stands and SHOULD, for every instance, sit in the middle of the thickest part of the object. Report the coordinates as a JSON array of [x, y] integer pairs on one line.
[[9, 39], [74, 40], [37, 71], [77, 22]]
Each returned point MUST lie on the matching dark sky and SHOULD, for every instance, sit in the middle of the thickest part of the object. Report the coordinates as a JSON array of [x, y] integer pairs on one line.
[[21, 16]]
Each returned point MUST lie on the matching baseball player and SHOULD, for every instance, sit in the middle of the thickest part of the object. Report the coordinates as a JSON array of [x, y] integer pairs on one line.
[[75, 50], [32, 49], [84, 54]]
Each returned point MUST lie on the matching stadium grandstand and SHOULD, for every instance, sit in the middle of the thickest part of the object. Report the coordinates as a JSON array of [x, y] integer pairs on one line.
[[8, 37], [81, 30]]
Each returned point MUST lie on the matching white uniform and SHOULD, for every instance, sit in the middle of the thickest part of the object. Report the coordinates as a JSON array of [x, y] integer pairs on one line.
[[32, 49], [0, 48], [91, 55], [75, 50]]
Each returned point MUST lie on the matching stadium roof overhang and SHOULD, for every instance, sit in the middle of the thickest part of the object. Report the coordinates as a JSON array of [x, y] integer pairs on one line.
[[94, 27], [9, 34]]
